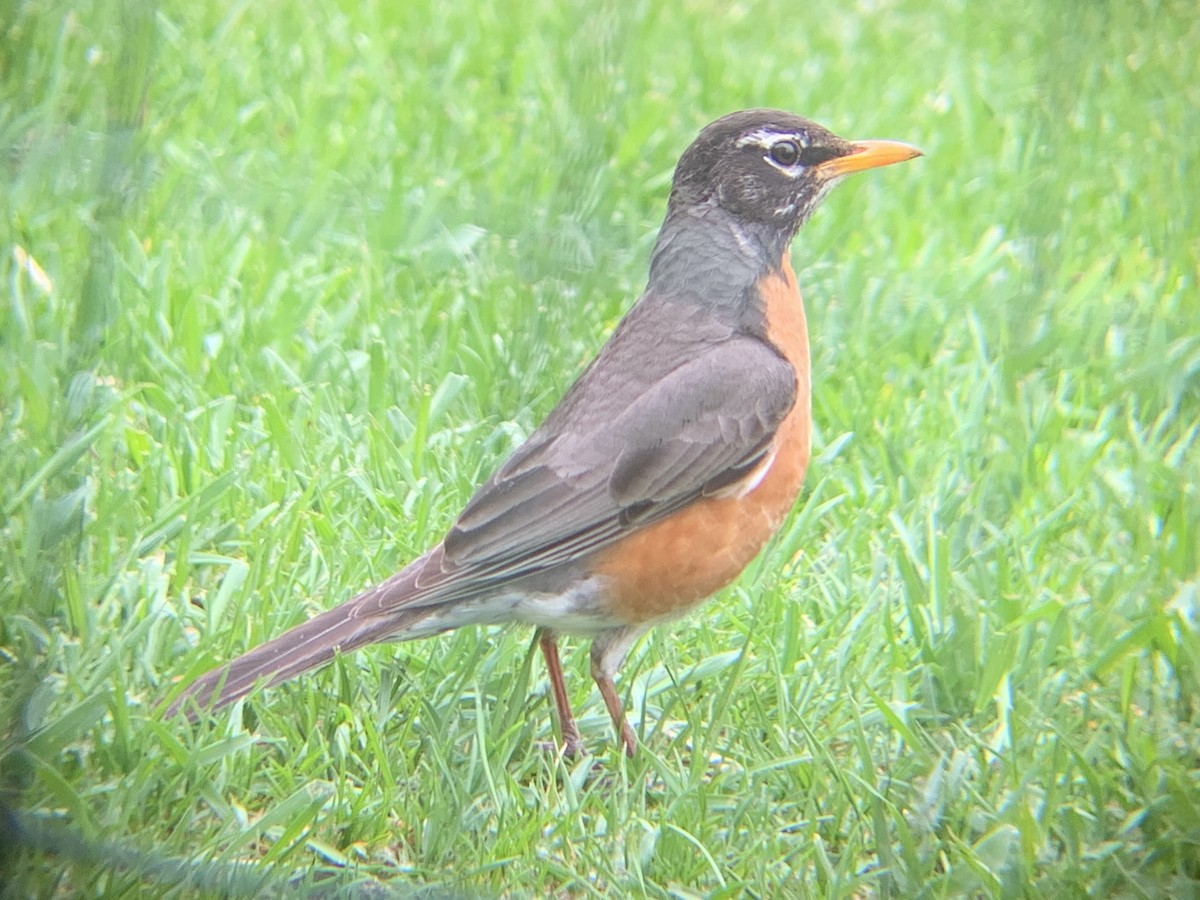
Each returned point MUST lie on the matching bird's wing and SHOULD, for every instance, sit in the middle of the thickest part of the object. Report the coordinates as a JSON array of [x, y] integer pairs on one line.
[[646, 430]]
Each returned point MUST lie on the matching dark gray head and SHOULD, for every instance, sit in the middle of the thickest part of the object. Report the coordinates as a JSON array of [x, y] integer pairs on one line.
[[770, 168]]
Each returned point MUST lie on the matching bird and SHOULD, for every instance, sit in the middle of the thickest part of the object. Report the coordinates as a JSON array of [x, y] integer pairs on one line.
[[664, 469]]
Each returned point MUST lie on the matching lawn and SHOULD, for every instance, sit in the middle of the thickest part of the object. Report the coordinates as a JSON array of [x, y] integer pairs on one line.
[[283, 283]]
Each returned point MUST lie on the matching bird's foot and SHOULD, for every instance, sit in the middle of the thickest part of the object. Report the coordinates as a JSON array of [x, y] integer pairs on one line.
[[571, 749]]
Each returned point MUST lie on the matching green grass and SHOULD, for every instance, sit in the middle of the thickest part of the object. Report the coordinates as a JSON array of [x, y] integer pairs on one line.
[[309, 277]]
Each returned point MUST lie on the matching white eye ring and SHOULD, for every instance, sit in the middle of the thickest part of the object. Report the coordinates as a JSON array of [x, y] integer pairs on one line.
[[785, 153]]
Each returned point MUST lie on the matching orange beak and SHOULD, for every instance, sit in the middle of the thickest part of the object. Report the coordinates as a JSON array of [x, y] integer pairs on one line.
[[868, 155]]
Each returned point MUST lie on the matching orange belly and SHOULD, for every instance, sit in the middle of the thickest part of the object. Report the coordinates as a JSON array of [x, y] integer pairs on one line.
[[666, 568]]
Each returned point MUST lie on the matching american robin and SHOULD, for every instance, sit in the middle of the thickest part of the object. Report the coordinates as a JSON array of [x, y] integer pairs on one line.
[[663, 470]]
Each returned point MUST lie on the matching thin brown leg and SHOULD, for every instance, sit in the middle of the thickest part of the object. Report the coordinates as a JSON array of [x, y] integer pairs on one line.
[[609, 692], [572, 743], [608, 653]]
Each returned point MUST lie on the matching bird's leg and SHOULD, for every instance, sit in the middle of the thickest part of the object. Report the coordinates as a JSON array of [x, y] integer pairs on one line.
[[572, 743], [608, 691], [608, 653]]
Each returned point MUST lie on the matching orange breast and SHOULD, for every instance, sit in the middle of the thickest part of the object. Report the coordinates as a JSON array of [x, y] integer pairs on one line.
[[665, 569]]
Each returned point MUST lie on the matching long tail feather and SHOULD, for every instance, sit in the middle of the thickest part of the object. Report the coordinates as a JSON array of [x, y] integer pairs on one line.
[[378, 614], [294, 652]]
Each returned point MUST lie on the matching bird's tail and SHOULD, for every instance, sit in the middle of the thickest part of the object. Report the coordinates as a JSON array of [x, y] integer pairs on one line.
[[344, 628]]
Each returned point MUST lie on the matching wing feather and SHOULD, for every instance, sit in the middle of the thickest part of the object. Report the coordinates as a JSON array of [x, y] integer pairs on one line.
[[636, 438]]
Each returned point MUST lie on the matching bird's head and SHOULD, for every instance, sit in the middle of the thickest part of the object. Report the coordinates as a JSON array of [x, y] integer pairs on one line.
[[771, 168]]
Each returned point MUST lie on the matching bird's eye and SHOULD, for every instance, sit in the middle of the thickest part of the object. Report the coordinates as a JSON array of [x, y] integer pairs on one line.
[[786, 153]]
